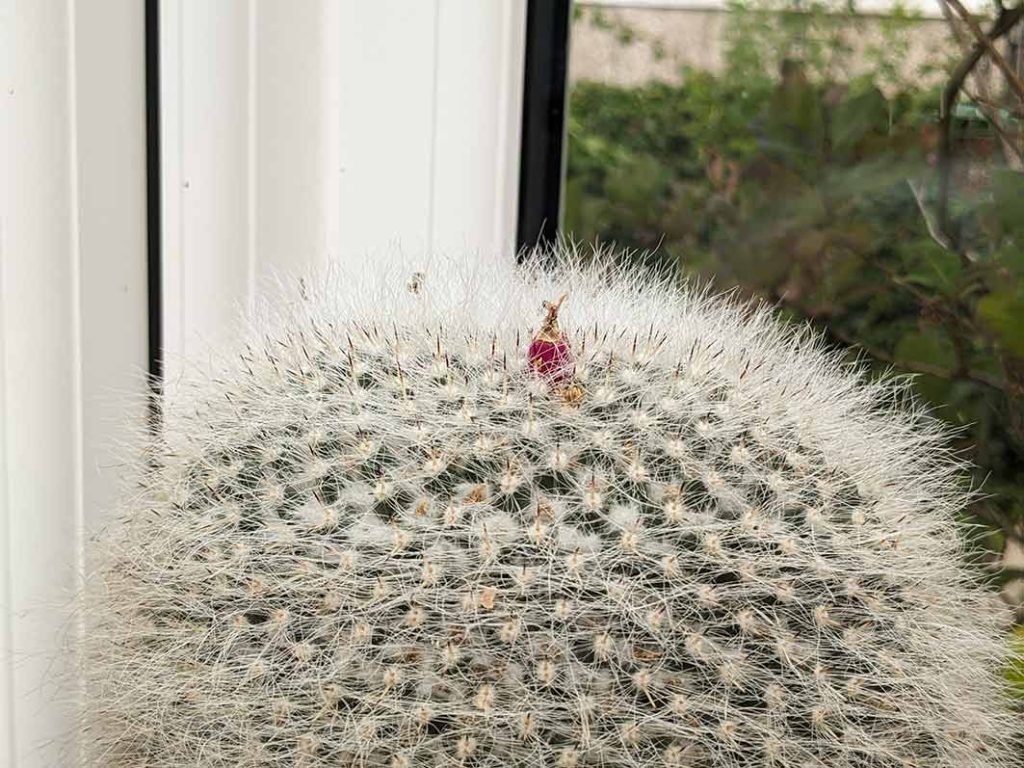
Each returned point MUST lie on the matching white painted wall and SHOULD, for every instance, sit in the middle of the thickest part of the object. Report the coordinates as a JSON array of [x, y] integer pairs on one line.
[[72, 325], [300, 133]]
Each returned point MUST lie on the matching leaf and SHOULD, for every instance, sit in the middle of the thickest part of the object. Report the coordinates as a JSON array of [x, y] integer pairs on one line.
[[846, 271], [1002, 312], [809, 245], [927, 347], [858, 116], [931, 266], [1015, 670], [1008, 199], [1010, 258]]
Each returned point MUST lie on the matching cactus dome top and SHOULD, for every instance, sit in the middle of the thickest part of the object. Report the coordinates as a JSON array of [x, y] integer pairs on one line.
[[374, 537]]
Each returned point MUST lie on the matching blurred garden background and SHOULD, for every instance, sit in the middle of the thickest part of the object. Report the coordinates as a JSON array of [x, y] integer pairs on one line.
[[860, 168]]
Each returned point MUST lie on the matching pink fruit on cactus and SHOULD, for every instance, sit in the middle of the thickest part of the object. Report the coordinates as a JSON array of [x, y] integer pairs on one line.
[[549, 353]]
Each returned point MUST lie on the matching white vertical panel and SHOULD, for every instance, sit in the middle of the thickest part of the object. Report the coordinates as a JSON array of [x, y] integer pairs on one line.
[[387, 82], [111, 168], [510, 120], [172, 183], [299, 133], [206, 83], [291, 159], [109, 184], [331, 89], [215, 170], [7, 93], [72, 328], [41, 384], [430, 109], [247, 100], [476, 145]]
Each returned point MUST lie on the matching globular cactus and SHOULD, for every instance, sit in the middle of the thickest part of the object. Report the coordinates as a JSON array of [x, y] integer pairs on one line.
[[376, 537]]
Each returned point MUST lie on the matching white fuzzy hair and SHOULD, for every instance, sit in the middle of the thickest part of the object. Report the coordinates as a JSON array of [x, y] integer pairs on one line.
[[367, 536]]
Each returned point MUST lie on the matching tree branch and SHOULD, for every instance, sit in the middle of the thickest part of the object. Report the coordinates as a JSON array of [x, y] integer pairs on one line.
[[935, 231], [1014, 157], [922, 368], [1006, 20], [988, 42]]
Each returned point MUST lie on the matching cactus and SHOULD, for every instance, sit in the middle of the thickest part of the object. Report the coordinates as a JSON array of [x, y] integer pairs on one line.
[[375, 537]]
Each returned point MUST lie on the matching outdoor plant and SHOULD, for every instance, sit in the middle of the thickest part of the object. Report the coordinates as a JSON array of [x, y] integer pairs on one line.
[[888, 211], [453, 519]]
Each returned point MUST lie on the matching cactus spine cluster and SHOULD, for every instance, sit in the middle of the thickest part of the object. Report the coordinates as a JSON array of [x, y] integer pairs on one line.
[[375, 538]]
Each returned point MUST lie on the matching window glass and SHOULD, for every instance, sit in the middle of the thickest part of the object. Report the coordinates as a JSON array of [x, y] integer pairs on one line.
[[797, 151]]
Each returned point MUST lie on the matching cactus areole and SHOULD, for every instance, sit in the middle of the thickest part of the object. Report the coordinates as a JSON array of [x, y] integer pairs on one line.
[[399, 528]]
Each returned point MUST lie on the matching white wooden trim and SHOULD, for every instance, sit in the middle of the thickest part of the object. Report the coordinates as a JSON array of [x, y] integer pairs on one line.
[[295, 135], [207, 171], [40, 426], [478, 105], [72, 330], [7, 745]]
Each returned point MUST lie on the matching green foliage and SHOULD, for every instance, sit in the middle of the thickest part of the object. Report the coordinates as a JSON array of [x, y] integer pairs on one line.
[[810, 192], [766, 33], [830, 39], [893, 45], [1015, 672], [624, 34]]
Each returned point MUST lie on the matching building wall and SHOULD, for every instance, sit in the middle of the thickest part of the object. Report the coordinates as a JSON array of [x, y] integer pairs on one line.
[[696, 37]]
